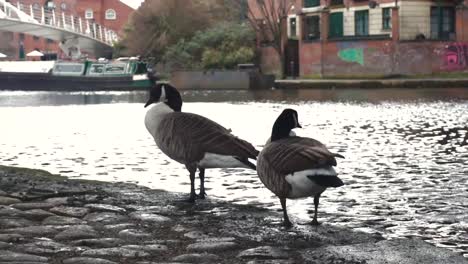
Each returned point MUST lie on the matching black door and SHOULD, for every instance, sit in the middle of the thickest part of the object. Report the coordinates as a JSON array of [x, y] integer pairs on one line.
[[291, 52]]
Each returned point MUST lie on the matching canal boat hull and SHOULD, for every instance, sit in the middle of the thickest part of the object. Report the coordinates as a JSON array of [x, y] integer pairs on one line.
[[49, 82]]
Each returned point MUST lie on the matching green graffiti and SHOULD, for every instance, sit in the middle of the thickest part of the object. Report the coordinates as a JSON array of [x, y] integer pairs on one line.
[[352, 55]]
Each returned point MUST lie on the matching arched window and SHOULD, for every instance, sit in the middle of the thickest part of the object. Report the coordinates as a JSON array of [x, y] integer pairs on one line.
[[89, 14], [111, 14]]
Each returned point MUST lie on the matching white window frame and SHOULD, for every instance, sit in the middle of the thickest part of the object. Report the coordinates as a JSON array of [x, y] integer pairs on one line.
[[111, 11], [89, 13]]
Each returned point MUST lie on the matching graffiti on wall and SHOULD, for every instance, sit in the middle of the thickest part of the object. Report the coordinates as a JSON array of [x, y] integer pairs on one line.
[[352, 55], [455, 56]]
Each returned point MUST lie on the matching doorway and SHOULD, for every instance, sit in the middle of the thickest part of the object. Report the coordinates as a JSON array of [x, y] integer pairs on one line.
[[291, 58]]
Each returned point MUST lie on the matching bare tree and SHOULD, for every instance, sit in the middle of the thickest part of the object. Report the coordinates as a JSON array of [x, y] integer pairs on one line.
[[269, 18]]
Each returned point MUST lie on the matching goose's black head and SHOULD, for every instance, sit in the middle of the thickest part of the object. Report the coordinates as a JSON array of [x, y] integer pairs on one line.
[[167, 94], [285, 122]]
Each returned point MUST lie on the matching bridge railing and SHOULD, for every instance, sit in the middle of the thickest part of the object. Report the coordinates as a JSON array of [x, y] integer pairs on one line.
[[51, 17]]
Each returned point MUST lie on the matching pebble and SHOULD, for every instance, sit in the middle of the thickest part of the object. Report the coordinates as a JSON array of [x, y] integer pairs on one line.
[[47, 247], [134, 235], [264, 252], [70, 211], [4, 245], [77, 232], [98, 242], [9, 256], [11, 237], [119, 227], [211, 246], [115, 252], [149, 217], [56, 201], [154, 248], [34, 231], [197, 258], [273, 261], [8, 200], [62, 220], [9, 211], [106, 208], [105, 218], [195, 235], [15, 222], [37, 214], [30, 206], [87, 261]]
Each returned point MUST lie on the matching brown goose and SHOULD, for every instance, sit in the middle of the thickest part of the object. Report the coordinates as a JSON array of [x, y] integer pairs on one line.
[[296, 167], [193, 140]]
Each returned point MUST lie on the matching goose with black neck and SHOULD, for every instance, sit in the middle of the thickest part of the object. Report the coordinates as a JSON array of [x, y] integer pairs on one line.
[[296, 167], [193, 140]]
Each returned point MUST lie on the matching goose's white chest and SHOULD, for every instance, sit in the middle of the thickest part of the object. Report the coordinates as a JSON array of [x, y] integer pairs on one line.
[[154, 116]]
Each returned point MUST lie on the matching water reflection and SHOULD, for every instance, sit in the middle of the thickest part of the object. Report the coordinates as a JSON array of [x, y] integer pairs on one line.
[[15, 98], [405, 168]]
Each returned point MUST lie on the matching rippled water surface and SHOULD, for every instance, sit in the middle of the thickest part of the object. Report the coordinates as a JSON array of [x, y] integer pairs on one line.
[[406, 166]]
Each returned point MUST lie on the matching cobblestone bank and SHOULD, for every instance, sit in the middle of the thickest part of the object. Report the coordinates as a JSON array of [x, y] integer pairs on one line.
[[51, 219]]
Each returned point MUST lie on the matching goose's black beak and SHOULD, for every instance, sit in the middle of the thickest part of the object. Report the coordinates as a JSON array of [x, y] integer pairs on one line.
[[299, 126]]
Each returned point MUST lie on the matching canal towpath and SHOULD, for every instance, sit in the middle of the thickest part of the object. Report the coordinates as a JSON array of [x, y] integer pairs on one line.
[[372, 83]]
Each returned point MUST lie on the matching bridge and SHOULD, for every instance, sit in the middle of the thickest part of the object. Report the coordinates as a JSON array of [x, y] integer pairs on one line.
[[72, 33]]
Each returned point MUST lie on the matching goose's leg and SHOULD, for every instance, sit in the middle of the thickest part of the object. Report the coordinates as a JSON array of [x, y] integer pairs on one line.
[[192, 170], [316, 204], [202, 183], [286, 221]]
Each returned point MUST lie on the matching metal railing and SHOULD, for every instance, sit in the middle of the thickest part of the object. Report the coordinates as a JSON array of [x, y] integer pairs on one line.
[[53, 18]]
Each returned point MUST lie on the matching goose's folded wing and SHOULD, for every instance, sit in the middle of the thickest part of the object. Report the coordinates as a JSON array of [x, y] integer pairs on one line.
[[297, 154], [209, 136]]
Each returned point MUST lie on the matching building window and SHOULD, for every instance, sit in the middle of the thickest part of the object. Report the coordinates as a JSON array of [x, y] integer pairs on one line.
[[336, 2], [336, 25], [311, 28], [63, 6], [386, 18], [111, 14], [311, 3], [36, 38], [361, 23], [89, 14], [442, 23], [50, 5], [21, 36], [36, 6], [292, 27]]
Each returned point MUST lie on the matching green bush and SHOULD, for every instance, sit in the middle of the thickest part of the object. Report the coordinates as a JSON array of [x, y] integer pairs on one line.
[[220, 47]]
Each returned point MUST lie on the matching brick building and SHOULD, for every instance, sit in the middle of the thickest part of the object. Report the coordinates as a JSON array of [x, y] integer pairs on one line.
[[371, 38], [112, 14]]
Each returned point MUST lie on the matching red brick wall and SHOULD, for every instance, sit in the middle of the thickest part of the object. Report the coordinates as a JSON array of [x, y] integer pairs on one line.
[[310, 56], [123, 13], [382, 58], [270, 62], [73, 7]]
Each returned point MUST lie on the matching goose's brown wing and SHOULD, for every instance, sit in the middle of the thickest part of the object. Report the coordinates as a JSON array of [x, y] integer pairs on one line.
[[297, 153], [198, 134]]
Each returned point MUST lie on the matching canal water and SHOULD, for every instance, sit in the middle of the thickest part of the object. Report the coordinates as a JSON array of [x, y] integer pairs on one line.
[[406, 166]]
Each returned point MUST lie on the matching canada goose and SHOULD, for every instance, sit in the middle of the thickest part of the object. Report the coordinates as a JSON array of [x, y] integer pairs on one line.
[[193, 140], [296, 167]]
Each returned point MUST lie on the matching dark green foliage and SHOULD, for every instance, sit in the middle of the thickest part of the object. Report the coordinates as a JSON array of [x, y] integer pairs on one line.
[[222, 46]]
